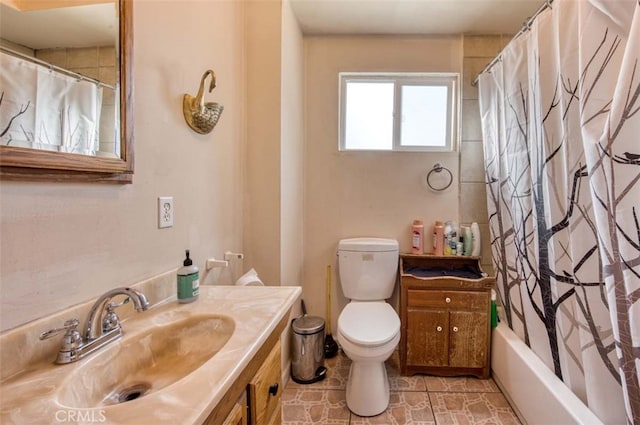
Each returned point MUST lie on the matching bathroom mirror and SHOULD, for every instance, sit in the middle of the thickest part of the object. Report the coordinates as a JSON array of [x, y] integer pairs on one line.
[[101, 91]]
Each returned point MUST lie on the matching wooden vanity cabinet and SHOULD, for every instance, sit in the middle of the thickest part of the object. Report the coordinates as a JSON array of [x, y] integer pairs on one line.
[[238, 415], [445, 319], [261, 403], [264, 391], [254, 398]]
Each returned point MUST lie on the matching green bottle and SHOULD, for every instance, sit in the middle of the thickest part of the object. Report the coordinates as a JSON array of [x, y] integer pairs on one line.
[[494, 310], [188, 281]]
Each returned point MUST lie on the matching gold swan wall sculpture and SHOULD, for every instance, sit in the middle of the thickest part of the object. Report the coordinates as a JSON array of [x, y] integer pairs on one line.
[[200, 116]]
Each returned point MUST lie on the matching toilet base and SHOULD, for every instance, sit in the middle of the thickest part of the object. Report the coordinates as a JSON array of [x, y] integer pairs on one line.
[[367, 388]]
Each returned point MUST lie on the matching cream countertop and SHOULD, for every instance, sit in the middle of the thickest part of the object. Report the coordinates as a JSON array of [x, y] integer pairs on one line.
[[33, 396]]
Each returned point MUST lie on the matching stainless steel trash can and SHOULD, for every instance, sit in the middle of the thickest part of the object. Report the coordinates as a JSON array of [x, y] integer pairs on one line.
[[307, 357]]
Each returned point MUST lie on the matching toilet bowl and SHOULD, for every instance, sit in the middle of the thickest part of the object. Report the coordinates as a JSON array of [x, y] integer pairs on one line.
[[368, 333], [368, 327]]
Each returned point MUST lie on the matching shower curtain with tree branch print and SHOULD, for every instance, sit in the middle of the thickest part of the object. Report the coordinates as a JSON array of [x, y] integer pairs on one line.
[[561, 128]]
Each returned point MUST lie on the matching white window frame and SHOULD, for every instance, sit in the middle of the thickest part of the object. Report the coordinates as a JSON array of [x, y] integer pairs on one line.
[[450, 80]]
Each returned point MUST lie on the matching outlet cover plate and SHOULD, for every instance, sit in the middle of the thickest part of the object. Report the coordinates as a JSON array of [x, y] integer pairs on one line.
[[165, 211]]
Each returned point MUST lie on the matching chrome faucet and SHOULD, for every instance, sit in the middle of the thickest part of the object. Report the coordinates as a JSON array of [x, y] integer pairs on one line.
[[110, 320], [76, 346]]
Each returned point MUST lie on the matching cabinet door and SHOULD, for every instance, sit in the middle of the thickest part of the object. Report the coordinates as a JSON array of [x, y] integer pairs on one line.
[[427, 337], [265, 390], [237, 416], [468, 339]]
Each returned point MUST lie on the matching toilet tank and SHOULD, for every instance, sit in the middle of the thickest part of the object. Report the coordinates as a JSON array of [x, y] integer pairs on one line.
[[368, 268]]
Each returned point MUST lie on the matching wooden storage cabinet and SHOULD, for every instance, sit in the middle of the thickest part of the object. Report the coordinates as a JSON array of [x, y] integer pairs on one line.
[[445, 318], [254, 398], [264, 391], [238, 415]]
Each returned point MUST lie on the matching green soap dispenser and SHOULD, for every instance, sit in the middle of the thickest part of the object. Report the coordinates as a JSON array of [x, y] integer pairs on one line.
[[188, 281]]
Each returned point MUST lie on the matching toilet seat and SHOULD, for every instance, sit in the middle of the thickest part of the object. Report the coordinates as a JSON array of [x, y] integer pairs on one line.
[[369, 324]]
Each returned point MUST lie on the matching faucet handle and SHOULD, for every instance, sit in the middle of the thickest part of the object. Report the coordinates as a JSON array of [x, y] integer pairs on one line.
[[69, 326], [110, 321], [71, 340]]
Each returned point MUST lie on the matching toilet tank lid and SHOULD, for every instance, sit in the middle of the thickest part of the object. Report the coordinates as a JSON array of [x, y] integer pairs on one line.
[[368, 245]]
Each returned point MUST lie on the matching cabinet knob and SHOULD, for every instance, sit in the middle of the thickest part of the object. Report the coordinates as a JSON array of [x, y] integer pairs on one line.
[[439, 328], [273, 389], [447, 300], [455, 329]]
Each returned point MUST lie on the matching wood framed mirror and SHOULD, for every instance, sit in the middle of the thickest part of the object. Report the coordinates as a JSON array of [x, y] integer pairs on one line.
[[29, 164]]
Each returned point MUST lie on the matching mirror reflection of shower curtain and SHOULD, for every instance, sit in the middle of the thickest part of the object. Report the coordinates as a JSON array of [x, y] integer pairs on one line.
[[43, 109], [561, 119]]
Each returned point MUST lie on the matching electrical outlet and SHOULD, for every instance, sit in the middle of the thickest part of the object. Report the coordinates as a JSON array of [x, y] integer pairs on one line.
[[165, 211]]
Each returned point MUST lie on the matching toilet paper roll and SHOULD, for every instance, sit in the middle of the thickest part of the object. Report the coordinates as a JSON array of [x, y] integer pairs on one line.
[[250, 278]]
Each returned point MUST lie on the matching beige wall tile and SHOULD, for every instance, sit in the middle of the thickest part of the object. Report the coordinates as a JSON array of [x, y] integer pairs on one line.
[[472, 162], [56, 57], [473, 203], [471, 124], [107, 74], [482, 45], [471, 67], [87, 72], [108, 97], [107, 130], [485, 239], [107, 56], [82, 58], [106, 147]]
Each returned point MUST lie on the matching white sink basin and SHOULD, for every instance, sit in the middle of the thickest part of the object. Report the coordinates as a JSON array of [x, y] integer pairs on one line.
[[151, 360]]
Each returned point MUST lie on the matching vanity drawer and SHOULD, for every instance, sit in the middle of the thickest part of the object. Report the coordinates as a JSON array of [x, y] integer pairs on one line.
[[447, 299], [265, 390]]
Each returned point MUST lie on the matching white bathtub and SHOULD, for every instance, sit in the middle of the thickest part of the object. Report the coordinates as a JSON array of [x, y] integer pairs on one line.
[[534, 391]]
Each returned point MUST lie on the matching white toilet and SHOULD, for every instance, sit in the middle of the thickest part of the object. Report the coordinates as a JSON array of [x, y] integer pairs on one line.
[[368, 327]]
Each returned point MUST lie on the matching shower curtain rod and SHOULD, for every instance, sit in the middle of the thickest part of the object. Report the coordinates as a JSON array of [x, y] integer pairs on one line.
[[37, 61], [525, 27]]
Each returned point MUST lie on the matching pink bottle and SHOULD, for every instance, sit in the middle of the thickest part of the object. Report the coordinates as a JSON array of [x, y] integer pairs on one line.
[[438, 238], [417, 237]]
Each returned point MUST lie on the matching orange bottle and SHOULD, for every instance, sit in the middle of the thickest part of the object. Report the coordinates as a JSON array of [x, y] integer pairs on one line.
[[417, 237], [438, 238]]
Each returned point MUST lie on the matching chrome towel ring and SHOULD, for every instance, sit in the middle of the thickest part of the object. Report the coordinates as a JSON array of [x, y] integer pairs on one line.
[[437, 168]]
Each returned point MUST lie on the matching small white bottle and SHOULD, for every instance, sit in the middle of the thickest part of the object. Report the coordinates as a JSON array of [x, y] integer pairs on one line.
[[475, 236], [188, 281]]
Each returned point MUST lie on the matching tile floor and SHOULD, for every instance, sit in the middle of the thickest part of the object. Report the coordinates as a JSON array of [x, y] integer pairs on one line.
[[418, 399]]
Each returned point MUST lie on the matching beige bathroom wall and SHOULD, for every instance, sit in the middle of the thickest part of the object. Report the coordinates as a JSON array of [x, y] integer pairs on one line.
[[291, 160], [292, 149], [63, 243], [273, 216], [261, 222], [354, 194]]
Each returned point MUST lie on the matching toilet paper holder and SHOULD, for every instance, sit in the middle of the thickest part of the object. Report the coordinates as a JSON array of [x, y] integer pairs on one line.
[[212, 263]]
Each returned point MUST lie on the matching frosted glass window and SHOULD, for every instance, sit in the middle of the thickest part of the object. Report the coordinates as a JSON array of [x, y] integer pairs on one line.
[[369, 116], [398, 111], [424, 116]]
